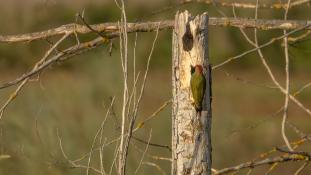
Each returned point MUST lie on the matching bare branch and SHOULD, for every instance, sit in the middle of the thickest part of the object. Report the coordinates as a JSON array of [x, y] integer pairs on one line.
[[124, 62], [296, 129], [258, 49], [267, 161], [152, 144], [156, 166], [144, 153], [272, 167], [96, 135], [245, 81], [114, 158], [303, 166], [235, 4], [90, 27], [306, 155], [151, 156], [261, 46], [139, 126], [302, 88], [82, 29], [62, 56], [72, 163], [249, 171], [264, 24], [294, 40], [26, 79], [134, 115], [5, 156], [252, 126], [154, 114], [285, 114], [242, 29]]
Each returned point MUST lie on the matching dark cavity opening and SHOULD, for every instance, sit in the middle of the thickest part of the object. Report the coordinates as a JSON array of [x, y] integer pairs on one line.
[[187, 39]]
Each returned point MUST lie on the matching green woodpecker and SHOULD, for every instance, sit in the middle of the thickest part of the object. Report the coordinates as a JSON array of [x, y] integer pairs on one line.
[[197, 84]]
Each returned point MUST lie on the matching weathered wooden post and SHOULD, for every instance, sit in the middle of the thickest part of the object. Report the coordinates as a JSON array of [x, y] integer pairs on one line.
[[191, 137]]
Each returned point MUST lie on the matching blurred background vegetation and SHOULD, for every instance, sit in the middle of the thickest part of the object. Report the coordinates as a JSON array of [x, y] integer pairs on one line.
[[73, 97]]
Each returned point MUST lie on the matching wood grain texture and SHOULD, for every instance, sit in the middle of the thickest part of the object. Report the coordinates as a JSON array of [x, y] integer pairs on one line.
[[191, 137]]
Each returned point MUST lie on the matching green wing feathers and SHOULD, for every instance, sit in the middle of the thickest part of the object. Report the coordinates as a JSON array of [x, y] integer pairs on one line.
[[198, 84]]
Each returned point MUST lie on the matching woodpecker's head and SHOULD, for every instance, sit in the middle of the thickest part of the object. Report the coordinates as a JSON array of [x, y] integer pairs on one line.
[[198, 69]]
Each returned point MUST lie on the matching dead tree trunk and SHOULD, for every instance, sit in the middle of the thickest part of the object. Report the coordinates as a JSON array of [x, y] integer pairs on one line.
[[191, 137]]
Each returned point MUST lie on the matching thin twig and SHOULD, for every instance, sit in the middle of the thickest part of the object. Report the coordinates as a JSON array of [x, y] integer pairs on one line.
[[144, 153], [154, 114], [272, 167], [152, 144], [261, 46], [302, 88], [96, 135], [115, 157], [72, 163], [249, 171], [242, 29], [296, 129], [300, 169], [285, 114], [134, 72], [151, 156], [252, 126], [267, 161], [26, 79], [62, 56], [134, 115], [156, 166], [249, 82], [101, 159], [306, 155], [295, 40], [124, 61], [264, 62], [93, 30], [139, 126]]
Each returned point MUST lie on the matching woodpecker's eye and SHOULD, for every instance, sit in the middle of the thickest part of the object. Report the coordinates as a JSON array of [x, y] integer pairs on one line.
[[192, 69]]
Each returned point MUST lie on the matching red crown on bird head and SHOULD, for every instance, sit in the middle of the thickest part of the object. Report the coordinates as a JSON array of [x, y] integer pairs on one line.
[[199, 68]]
